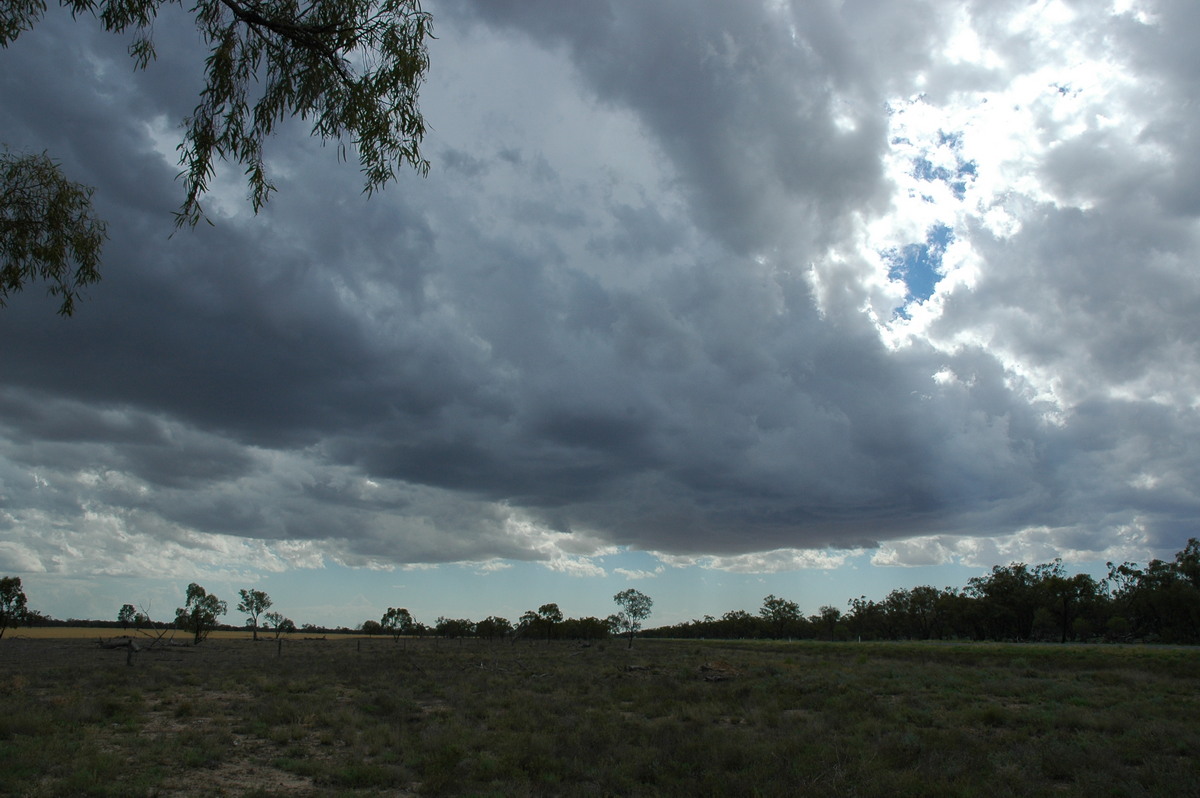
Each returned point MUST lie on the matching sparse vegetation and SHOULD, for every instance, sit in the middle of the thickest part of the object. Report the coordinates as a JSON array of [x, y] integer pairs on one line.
[[336, 717]]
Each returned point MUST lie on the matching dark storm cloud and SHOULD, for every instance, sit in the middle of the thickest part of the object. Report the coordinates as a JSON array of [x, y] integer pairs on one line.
[[115, 437], [601, 316], [744, 112]]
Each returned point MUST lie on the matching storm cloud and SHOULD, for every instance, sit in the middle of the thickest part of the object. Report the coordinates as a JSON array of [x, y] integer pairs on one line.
[[651, 296]]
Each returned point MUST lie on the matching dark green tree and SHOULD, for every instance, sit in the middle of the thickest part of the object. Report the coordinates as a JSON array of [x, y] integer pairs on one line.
[[739, 624], [48, 231], [126, 615], [1007, 601], [828, 618], [866, 619], [635, 608], [454, 627], [254, 603], [589, 628], [493, 626], [1160, 601], [549, 614], [1065, 597], [14, 608], [397, 622], [781, 616], [528, 624], [199, 613], [914, 613], [279, 623]]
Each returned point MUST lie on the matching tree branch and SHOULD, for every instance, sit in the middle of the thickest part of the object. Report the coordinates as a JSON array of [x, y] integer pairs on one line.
[[309, 37]]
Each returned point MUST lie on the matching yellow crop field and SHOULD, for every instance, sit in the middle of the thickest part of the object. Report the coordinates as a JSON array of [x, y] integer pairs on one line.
[[77, 632], [95, 633], [65, 632]]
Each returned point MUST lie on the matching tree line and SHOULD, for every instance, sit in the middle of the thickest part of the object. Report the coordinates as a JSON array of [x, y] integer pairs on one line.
[[546, 622], [1158, 603], [200, 614]]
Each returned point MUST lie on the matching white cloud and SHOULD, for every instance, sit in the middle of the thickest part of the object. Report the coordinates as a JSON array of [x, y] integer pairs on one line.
[[574, 566], [767, 562], [493, 566], [17, 557], [1034, 545], [635, 574]]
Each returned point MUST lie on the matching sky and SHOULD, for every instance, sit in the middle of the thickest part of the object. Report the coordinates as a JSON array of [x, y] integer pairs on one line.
[[713, 300]]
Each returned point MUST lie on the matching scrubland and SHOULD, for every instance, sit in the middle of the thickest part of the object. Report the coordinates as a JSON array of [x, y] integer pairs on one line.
[[357, 717]]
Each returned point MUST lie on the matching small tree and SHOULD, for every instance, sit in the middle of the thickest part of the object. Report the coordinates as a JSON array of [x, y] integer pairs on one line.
[[253, 603], [397, 622], [635, 608], [372, 628], [550, 615], [126, 615], [199, 613], [14, 609], [279, 623]]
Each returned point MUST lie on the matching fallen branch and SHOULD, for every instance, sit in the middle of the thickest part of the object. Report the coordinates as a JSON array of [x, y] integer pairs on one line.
[[119, 642], [124, 642]]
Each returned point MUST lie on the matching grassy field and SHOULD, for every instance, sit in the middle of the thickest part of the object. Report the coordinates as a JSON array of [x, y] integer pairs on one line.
[[376, 717]]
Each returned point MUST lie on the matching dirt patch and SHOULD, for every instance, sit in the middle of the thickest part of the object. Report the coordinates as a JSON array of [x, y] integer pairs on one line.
[[237, 777], [719, 671]]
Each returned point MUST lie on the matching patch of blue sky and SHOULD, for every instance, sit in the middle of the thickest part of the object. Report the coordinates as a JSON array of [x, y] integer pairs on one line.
[[953, 140], [919, 266], [955, 178]]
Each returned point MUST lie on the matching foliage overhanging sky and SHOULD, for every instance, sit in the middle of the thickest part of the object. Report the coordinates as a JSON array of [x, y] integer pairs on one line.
[[742, 288]]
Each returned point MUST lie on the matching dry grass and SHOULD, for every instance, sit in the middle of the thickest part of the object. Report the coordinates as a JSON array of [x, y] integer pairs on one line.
[[94, 633], [376, 717], [60, 633]]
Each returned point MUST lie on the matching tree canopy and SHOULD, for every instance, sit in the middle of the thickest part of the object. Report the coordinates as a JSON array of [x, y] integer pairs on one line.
[[635, 608], [397, 621], [48, 230], [14, 609], [279, 623], [126, 615], [199, 613], [353, 68], [254, 603]]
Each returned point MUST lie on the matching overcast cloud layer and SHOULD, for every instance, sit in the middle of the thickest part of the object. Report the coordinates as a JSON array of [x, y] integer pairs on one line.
[[727, 282]]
